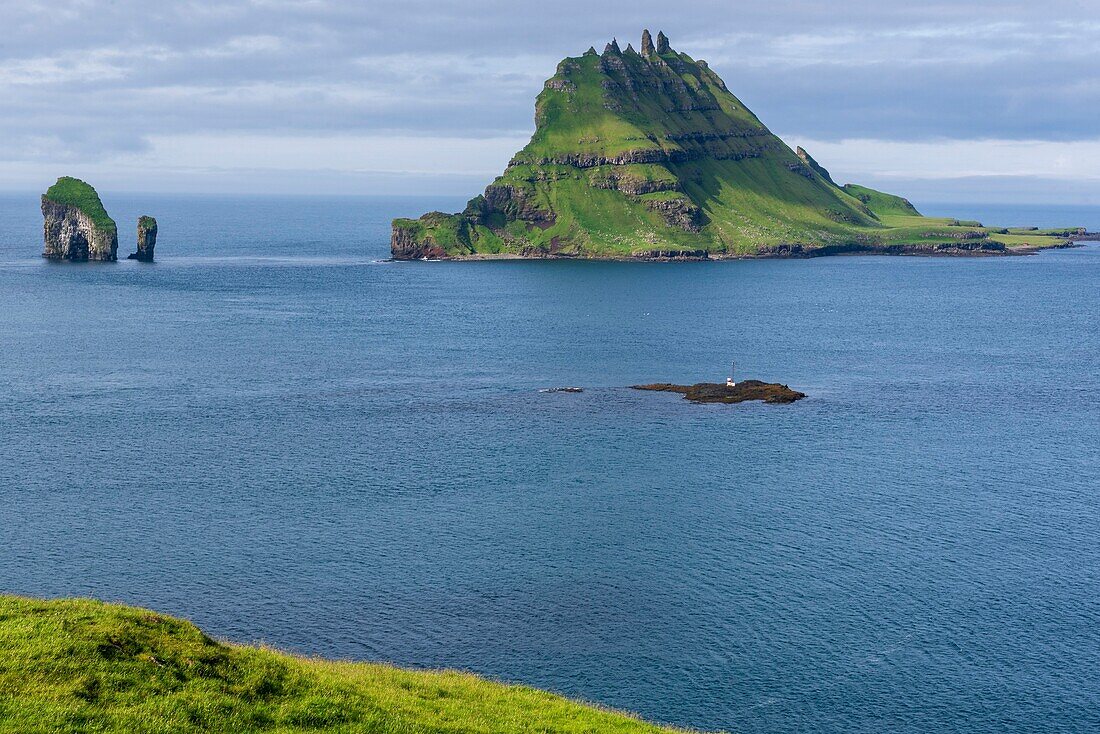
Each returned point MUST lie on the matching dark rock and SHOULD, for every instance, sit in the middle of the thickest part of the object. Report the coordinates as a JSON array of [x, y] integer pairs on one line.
[[515, 203], [647, 43], [647, 155], [615, 179], [970, 234], [814, 165], [713, 392], [662, 43], [801, 170], [955, 247], [146, 240], [405, 244], [562, 85], [679, 212], [671, 255]]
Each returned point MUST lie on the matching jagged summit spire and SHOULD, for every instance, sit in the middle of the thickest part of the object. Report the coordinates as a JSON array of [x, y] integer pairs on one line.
[[612, 48], [647, 43], [591, 51], [662, 43]]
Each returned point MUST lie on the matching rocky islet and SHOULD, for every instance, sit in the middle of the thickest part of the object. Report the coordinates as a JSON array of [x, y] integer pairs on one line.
[[77, 228], [715, 392]]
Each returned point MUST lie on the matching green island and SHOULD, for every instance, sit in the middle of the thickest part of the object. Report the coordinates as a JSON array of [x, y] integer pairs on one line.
[[75, 226], [646, 154], [79, 665]]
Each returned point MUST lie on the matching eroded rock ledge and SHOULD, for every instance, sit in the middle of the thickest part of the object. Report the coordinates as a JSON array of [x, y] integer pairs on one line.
[[714, 392]]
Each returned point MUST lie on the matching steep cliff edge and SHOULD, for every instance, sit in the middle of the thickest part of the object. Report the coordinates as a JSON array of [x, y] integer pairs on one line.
[[79, 665], [76, 226], [146, 240], [647, 155]]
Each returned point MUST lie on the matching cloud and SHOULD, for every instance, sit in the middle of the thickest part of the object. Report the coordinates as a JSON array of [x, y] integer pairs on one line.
[[483, 157], [101, 82], [947, 159]]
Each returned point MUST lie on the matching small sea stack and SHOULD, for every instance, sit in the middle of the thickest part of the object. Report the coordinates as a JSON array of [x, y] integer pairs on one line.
[[76, 227], [739, 392], [146, 240]]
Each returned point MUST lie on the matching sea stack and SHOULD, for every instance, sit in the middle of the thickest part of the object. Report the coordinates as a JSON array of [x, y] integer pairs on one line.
[[76, 226], [146, 240]]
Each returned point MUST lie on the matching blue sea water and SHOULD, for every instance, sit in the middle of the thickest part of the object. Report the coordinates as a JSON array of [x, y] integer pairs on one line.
[[275, 433]]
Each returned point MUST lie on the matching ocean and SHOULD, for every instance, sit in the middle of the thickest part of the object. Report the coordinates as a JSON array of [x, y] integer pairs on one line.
[[280, 435]]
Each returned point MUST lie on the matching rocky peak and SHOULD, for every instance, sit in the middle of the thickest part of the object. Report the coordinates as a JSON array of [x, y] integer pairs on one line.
[[814, 165], [647, 43], [662, 43], [612, 48]]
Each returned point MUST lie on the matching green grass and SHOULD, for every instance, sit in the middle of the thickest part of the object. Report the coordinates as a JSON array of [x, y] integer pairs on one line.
[[79, 665], [77, 193], [880, 203]]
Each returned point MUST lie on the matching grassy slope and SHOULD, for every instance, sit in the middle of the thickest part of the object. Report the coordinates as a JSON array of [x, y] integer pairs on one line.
[[80, 665], [755, 191], [77, 193], [880, 203]]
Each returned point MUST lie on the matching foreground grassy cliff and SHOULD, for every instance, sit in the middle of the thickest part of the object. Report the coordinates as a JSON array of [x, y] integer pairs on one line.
[[647, 154], [80, 666]]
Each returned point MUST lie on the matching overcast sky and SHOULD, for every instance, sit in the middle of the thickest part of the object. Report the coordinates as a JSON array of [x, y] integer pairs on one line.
[[984, 99]]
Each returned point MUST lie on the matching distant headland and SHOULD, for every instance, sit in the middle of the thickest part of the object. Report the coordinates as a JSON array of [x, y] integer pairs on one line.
[[647, 155]]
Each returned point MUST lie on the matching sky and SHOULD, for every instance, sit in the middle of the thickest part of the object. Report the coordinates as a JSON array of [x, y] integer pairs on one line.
[[988, 100]]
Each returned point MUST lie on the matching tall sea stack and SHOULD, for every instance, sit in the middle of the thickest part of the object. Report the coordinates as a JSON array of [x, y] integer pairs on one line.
[[76, 225], [146, 240]]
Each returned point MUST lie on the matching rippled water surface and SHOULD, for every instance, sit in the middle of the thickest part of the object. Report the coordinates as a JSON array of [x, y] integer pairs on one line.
[[279, 435]]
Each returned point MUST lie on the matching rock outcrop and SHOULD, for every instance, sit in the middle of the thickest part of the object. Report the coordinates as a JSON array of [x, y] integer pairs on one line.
[[76, 226], [146, 240], [713, 392], [812, 164]]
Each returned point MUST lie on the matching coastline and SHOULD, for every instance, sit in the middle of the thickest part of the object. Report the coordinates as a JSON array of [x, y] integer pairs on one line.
[[781, 252]]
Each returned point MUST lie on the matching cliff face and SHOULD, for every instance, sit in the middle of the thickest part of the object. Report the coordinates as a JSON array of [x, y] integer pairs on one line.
[[636, 153], [146, 240], [76, 226]]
